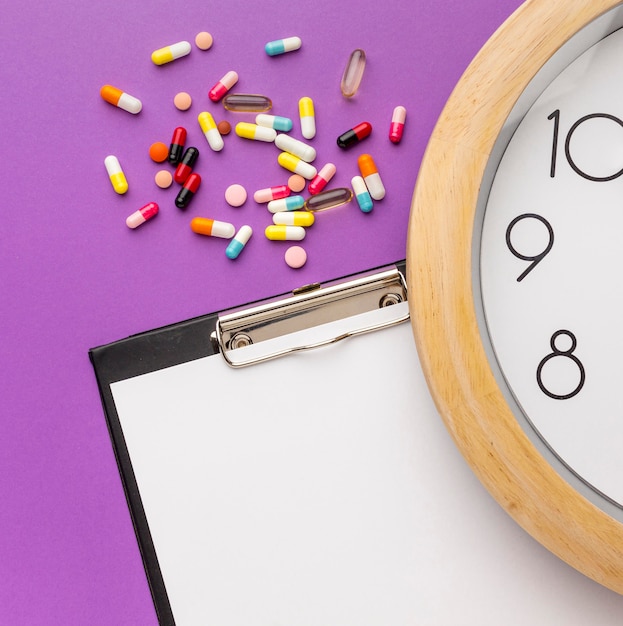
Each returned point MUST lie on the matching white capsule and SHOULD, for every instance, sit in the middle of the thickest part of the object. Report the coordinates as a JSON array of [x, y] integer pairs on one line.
[[295, 164], [298, 148]]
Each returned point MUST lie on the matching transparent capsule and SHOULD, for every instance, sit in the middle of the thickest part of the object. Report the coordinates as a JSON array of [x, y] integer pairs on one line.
[[247, 102], [329, 199], [353, 73]]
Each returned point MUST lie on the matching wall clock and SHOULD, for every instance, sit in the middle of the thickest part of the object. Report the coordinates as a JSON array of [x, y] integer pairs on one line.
[[513, 261]]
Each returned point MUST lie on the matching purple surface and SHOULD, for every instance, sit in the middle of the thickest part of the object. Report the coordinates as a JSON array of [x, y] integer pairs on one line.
[[74, 276]]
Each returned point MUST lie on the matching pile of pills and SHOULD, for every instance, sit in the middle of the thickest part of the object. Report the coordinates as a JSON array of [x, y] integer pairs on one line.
[[292, 214]]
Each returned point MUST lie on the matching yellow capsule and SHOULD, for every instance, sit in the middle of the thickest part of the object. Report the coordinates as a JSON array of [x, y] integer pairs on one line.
[[281, 232], [294, 218], [246, 130], [210, 130], [170, 53], [307, 116], [116, 175], [295, 164]]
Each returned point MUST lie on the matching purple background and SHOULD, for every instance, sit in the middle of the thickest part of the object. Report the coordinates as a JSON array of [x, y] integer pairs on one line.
[[75, 277]]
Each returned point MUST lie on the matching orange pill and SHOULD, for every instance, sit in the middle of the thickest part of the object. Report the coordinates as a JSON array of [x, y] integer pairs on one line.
[[224, 127], [182, 101], [158, 152]]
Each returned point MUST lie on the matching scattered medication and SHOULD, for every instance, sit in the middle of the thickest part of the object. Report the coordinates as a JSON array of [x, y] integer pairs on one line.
[[204, 40], [212, 228], [208, 126], [280, 46], [294, 218], [246, 130], [329, 199], [371, 176], [188, 191], [176, 149], [271, 193], [353, 73], [142, 215], [120, 99], [224, 127], [171, 53], [116, 175], [354, 135], [235, 195], [164, 179], [296, 183], [185, 166], [223, 86], [295, 257], [280, 232], [182, 101], [362, 195], [397, 126], [283, 124], [307, 117], [158, 152], [297, 148], [291, 203], [247, 103], [296, 165], [320, 180], [237, 244]]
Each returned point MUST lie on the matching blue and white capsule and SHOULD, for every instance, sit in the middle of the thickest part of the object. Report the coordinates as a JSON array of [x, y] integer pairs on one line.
[[291, 203], [277, 122], [237, 244], [362, 195], [281, 46]]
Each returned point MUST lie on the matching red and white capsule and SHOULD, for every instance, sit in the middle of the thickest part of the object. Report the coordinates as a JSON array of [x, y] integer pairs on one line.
[[142, 215], [397, 126], [320, 180], [223, 86], [271, 193]]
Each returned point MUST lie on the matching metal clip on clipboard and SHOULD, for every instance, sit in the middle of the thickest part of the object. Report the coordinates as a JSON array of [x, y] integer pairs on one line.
[[308, 307]]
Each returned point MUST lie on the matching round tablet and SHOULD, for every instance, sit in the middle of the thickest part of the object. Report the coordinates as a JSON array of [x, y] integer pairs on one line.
[[204, 40], [296, 183], [158, 152], [182, 101], [235, 195], [163, 179], [224, 127], [295, 256]]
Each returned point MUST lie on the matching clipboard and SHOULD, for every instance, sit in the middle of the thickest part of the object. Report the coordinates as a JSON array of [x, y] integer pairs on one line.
[[274, 484]]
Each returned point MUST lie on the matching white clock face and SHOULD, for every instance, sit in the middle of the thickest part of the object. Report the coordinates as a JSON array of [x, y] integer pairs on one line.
[[551, 259]]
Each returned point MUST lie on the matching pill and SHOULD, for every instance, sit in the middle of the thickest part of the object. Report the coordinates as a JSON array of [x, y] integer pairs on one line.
[[307, 117], [296, 165], [237, 244], [176, 149], [208, 126], [291, 203], [354, 135], [297, 148], [182, 101], [142, 215], [246, 130], [320, 180], [223, 86], [204, 40], [294, 218], [362, 195], [224, 127], [188, 191], [158, 152], [185, 166], [371, 176], [396, 128], [353, 73], [120, 99], [116, 175], [235, 195], [271, 193], [170, 53], [163, 178], [281, 232], [277, 122], [212, 228], [296, 183], [295, 257], [329, 199], [247, 102], [280, 46]]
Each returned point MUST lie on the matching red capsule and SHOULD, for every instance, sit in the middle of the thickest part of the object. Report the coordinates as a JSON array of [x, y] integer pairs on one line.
[[354, 135], [185, 166], [188, 191], [176, 149], [397, 126], [142, 215], [223, 86], [320, 180]]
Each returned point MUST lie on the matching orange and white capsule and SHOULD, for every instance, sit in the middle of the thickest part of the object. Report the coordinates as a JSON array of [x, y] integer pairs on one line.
[[397, 126], [223, 86], [308, 117], [120, 99], [297, 165], [116, 175], [170, 53], [210, 130], [371, 176], [212, 228]]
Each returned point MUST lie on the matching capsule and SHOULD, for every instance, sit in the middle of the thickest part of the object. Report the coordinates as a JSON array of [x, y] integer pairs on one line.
[[329, 199], [116, 175], [298, 148], [185, 166], [294, 218], [291, 203], [354, 135], [212, 228], [277, 122], [170, 53], [211, 132], [223, 86], [362, 195], [371, 176], [280, 46], [353, 73], [397, 126], [281, 232], [120, 99], [237, 244], [142, 215], [247, 103], [308, 118], [271, 193], [176, 149], [188, 191], [297, 165], [320, 180], [246, 130]]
